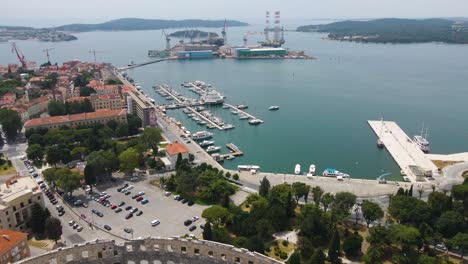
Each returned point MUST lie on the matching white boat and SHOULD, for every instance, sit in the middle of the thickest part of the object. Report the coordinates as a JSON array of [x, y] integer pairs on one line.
[[225, 106], [329, 172], [231, 157], [227, 126], [422, 143], [234, 112], [255, 121], [187, 111], [297, 169], [273, 107], [243, 117], [241, 106], [312, 169], [212, 97], [211, 126], [202, 122], [211, 149], [248, 167], [206, 143], [201, 135]]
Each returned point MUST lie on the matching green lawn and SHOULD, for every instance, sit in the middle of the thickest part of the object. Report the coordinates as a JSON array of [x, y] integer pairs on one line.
[[6, 170]]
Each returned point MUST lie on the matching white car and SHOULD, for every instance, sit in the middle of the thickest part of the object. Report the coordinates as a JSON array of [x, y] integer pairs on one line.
[[167, 193], [195, 218], [155, 222], [129, 188], [141, 193]]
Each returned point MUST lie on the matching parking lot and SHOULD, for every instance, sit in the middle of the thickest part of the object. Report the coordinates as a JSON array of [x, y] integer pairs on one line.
[[169, 212]]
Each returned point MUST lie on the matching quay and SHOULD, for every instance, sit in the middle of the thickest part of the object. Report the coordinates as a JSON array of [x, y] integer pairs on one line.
[[241, 111], [412, 161], [190, 108], [142, 64], [234, 151]]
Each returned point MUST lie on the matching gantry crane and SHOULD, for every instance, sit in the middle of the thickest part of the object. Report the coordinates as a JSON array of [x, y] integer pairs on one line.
[[14, 49], [47, 54], [168, 40]]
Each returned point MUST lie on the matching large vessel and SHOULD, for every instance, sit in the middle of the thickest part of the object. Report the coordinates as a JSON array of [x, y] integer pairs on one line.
[[201, 135], [212, 97], [206, 143], [422, 143], [212, 149], [248, 167], [297, 169]]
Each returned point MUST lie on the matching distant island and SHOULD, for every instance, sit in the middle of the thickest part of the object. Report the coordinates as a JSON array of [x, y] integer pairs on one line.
[[193, 34], [392, 30], [27, 33], [147, 24]]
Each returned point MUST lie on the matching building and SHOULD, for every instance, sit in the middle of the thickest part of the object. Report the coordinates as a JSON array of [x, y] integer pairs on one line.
[[17, 195], [101, 101], [200, 47], [100, 116], [8, 99], [37, 106], [101, 88], [260, 52], [173, 150], [13, 246], [138, 104], [202, 54]]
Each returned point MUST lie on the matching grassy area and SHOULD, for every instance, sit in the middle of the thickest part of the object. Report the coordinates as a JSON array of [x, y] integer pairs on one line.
[[442, 164], [156, 183], [244, 207], [277, 247], [7, 170]]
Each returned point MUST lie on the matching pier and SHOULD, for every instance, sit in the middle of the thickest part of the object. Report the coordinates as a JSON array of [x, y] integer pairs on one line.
[[190, 108], [241, 111], [404, 151], [141, 64], [234, 151]]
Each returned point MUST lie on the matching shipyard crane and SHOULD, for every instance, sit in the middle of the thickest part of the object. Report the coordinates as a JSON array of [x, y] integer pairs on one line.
[[94, 55], [47, 54], [168, 40], [14, 49], [223, 32]]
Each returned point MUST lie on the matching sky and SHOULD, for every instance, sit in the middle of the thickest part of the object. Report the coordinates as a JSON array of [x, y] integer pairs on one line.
[[57, 12]]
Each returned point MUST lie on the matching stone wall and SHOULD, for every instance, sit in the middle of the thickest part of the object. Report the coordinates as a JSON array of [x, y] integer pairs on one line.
[[151, 251]]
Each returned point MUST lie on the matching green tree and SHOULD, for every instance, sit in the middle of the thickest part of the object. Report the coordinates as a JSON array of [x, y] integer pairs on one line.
[[449, 223], [56, 108], [151, 137], [334, 249], [460, 241], [122, 130], [53, 155], [178, 161], [405, 236], [35, 139], [34, 152], [38, 218], [264, 187], [410, 192], [50, 176], [69, 182], [128, 160], [314, 224], [439, 202], [134, 124], [295, 258], [317, 258], [207, 231], [86, 91], [216, 214], [102, 163], [317, 193], [371, 211], [352, 245], [327, 200], [300, 190], [235, 177], [373, 255], [255, 244], [78, 152], [408, 210], [90, 177], [53, 228], [11, 123], [112, 124], [343, 203]]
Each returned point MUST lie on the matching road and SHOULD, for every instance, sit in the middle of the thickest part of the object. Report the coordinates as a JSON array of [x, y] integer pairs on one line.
[[13, 152]]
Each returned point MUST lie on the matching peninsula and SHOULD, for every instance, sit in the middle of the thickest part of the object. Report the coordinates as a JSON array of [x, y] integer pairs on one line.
[[392, 30]]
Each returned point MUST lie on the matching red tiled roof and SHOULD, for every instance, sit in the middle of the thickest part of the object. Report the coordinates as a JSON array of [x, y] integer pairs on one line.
[[102, 113], [175, 149], [77, 99], [9, 239]]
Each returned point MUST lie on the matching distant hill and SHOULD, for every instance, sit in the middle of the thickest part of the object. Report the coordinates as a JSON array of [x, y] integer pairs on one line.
[[392, 30], [193, 34], [147, 24], [15, 28]]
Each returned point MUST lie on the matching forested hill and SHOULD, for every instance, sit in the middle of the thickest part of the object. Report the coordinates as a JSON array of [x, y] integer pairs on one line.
[[147, 24], [391, 30]]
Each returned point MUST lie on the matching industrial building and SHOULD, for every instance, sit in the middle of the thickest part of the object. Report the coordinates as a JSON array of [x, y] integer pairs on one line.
[[260, 52], [202, 54]]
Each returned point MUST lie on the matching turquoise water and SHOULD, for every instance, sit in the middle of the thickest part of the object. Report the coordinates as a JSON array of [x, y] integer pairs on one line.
[[324, 102]]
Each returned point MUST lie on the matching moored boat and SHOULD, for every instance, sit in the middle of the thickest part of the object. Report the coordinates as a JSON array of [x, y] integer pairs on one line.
[[297, 169], [273, 107], [211, 149]]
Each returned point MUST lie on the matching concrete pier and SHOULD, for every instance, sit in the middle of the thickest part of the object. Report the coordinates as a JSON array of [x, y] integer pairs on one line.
[[403, 150], [241, 112]]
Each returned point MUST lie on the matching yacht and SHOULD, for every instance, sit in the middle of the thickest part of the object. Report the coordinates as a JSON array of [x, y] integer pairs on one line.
[[243, 117], [211, 149], [312, 169], [201, 135], [210, 126], [234, 112], [212, 97], [273, 107], [206, 143], [202, 122], [230, 157], [187, 111], [227, 126], [248, 167], [255, 121], [297, 169], [225, 106], [241, 106], [422, 143], [380, 144], [330, 172]]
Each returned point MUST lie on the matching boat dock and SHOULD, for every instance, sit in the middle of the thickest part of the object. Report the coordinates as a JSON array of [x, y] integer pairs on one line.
[[404, 151], [241, 112], [190, 108], [235, 151], [136, 65]]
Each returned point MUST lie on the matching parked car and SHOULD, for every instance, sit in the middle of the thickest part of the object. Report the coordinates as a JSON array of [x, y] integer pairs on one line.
[[118, 210], [128, 208], [113, 207], [139, 213], [128, 192], [128, 230], [187, 222], [167, 193], [190, 203], [155, 222], [184, 201], [145, 201], [139, 198], [79, 228], [134, 210], [107, 227], [71, 223], [195, 218], [441, 246], [129, 215], [192, 228]]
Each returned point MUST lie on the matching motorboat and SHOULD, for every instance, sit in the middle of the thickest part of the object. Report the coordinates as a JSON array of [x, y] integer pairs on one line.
[[201, 135], [243, 117], [210, 126], [312, 169], [212, 149], [241, 106], [330, 172], [230, 157], [202, 122], [206, 143], [248, 167], [234, 112], [273, 107], [227, 126], [297, 169], [225, 106], [255, 121], [380, 144]]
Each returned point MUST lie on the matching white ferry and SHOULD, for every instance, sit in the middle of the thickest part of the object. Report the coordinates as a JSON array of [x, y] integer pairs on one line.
[[422, 143], [297, 169], [201, 135], [330, 172], [248, 167]]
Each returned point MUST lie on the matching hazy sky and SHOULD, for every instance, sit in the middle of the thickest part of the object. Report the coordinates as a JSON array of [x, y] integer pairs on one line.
[[49, 12]]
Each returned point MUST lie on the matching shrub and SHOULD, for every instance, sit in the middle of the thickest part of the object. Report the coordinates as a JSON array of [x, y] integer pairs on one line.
[[283, 255], [285, 243]]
